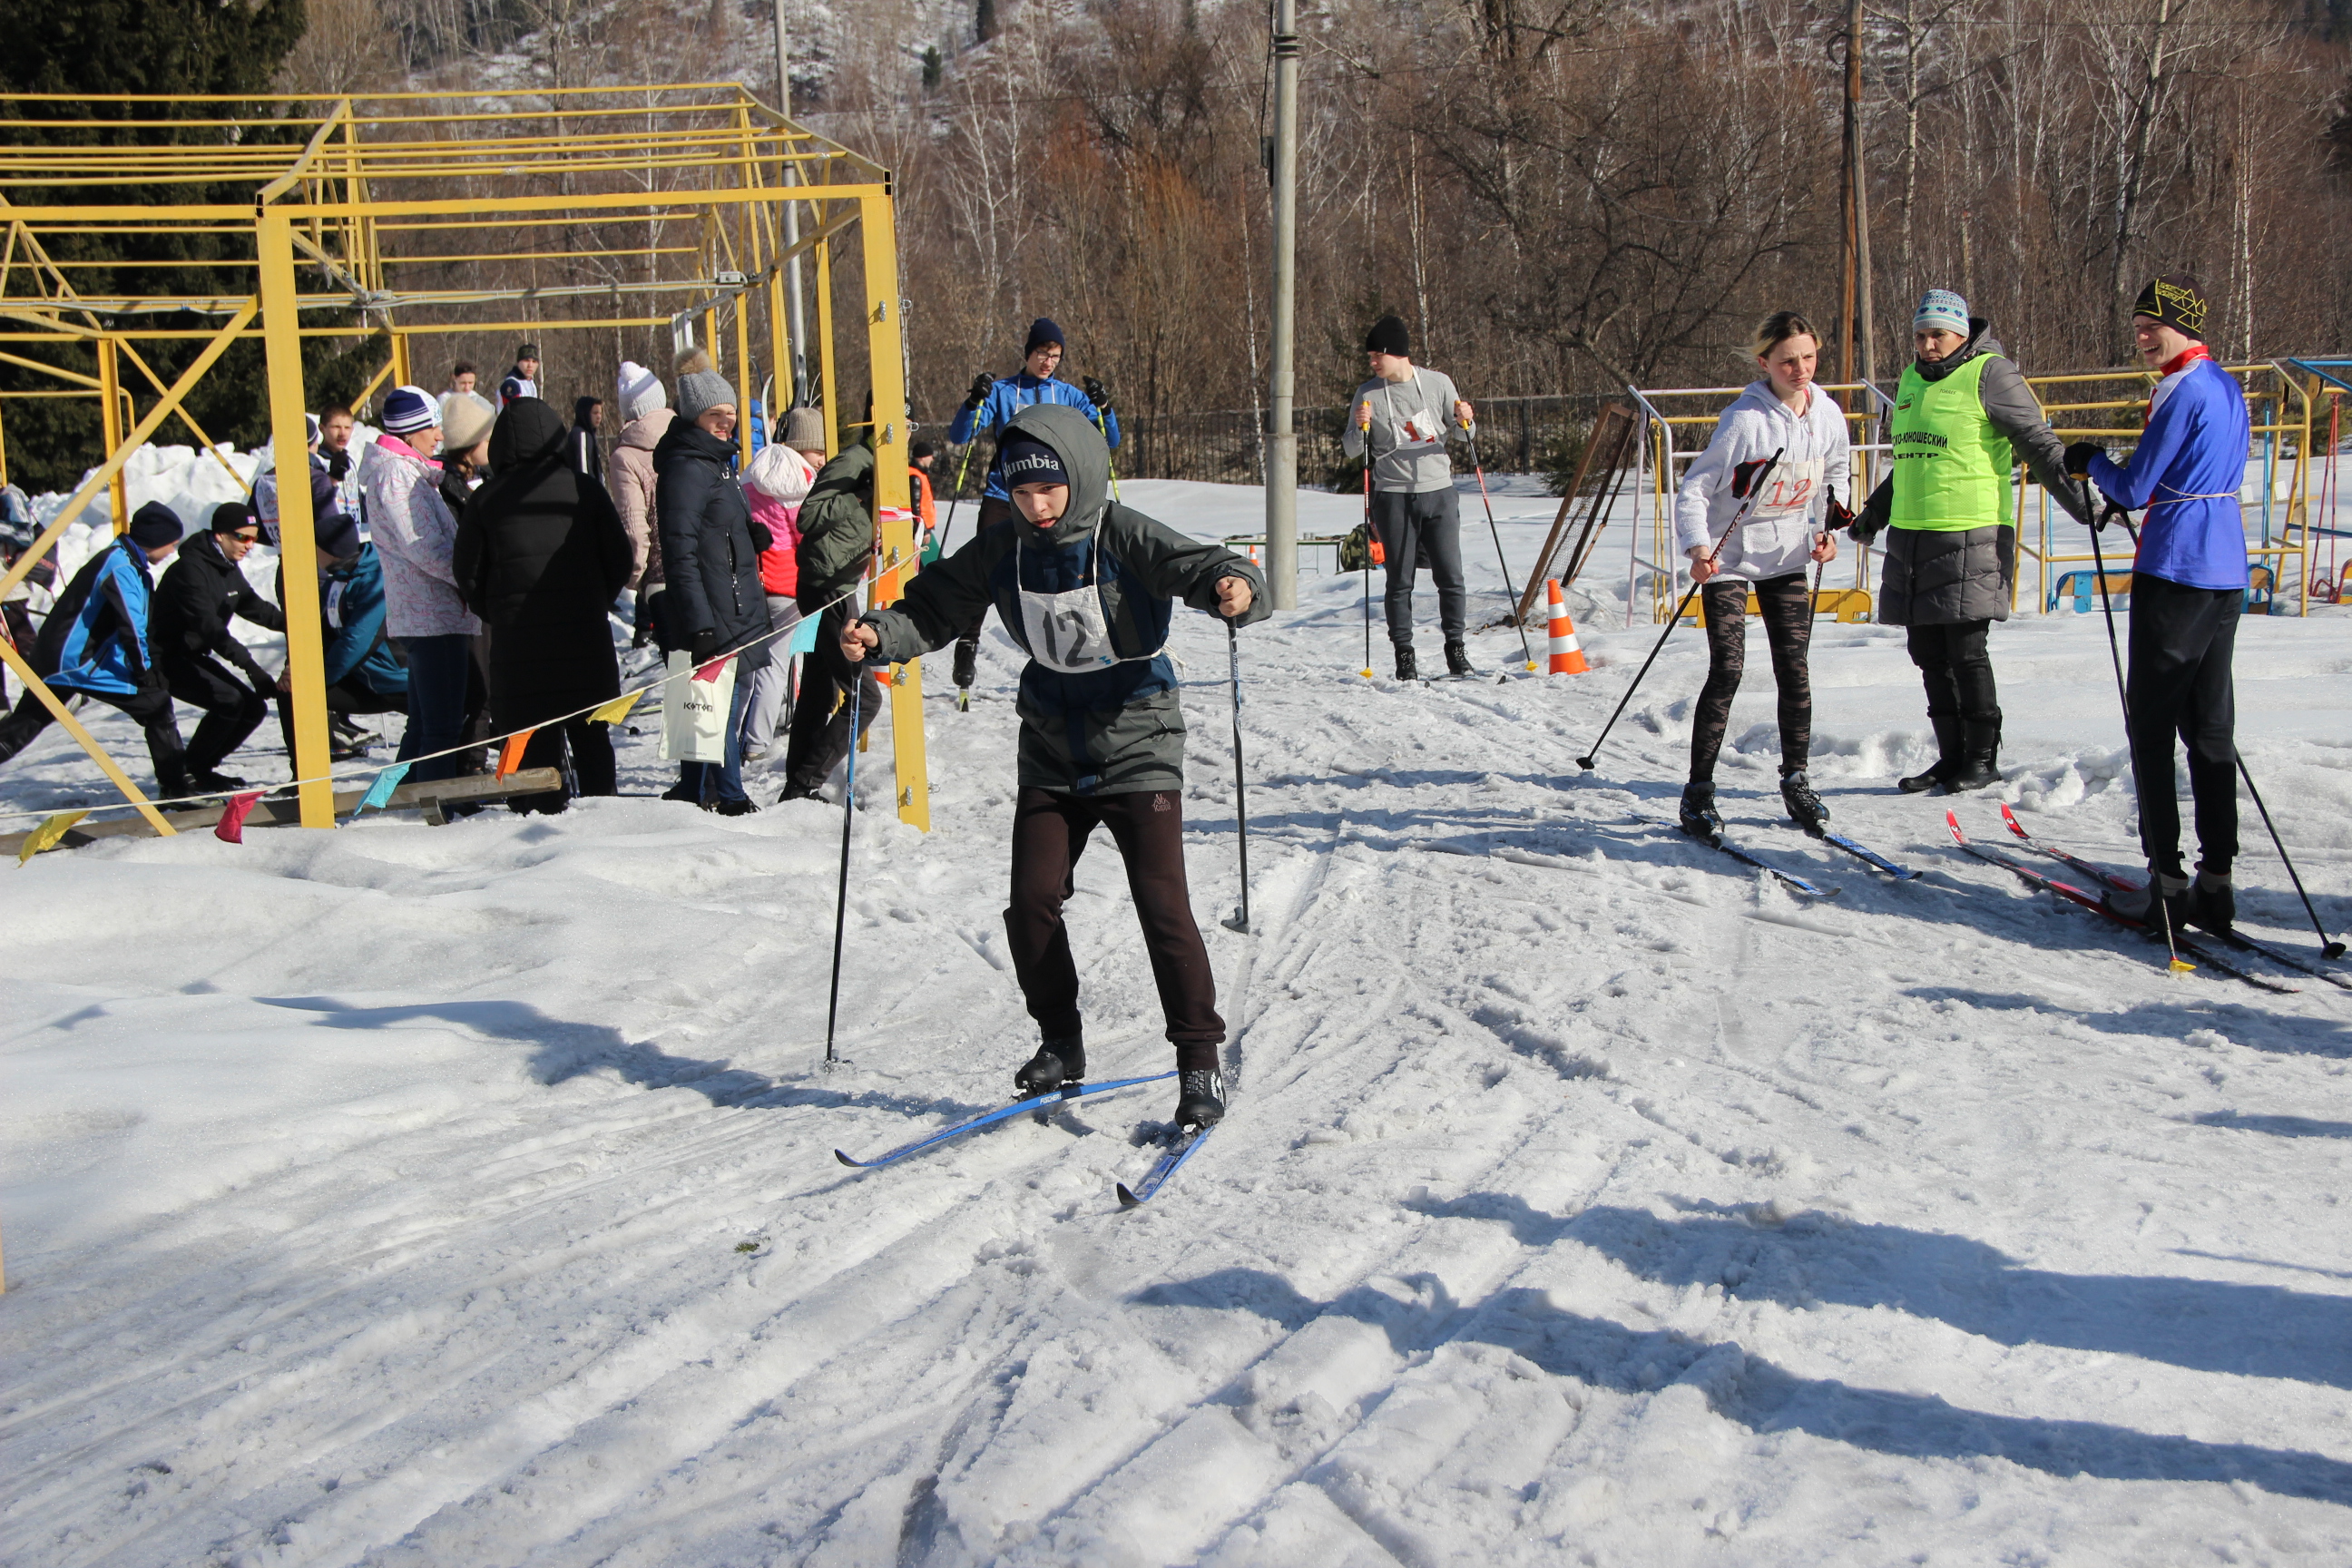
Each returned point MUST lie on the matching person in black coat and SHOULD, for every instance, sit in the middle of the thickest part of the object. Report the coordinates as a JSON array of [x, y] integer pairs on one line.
[[587, 419], [714, 603], [540, 551], [203, 591]]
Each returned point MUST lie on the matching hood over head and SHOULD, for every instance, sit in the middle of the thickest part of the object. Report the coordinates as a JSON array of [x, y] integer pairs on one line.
[[1086, 457], [645, 431], [529, 431]]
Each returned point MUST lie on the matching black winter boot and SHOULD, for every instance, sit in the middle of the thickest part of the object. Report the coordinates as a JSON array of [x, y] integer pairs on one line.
[[1058, 1063], [2138, 904], [1947, 761], [1199, 1098], [1407, 667], [2212, 903], [1805, 808], [1979, 756], [967, 662], [1699, 817], [1457, 659]]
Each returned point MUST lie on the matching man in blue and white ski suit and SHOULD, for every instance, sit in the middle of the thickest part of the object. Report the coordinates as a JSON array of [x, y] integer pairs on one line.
[[2189, 587], [990, 406]]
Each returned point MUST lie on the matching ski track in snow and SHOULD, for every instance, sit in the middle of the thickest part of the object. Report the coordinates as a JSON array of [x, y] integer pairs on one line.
[[466, 1195]]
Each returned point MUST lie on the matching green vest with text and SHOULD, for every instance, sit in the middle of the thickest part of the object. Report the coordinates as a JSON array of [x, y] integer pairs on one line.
[[1951, 466]]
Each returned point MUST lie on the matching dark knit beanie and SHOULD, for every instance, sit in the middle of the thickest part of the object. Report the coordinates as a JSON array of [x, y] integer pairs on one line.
[[1387, 337], [231, 515], [1025, 460], [155, 524], [2178, 301], [1042, 331], [337, 535]]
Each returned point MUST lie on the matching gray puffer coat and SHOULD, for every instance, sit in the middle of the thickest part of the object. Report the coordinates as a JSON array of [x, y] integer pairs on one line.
[[1938, 577], [1113, 731]]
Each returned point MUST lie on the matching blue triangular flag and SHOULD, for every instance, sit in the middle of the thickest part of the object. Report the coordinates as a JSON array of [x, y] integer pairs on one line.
[[381, 791]]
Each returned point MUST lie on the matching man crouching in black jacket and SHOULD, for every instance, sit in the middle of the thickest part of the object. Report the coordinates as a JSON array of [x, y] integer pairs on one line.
[[194, 604]]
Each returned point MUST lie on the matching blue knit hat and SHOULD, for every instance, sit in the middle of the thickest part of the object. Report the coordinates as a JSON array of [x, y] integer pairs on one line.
[[408, 409], [1940, 310], [154, 526], [1042, 331]]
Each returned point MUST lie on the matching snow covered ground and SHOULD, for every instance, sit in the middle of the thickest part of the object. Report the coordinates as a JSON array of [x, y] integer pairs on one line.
[[466, 1194]]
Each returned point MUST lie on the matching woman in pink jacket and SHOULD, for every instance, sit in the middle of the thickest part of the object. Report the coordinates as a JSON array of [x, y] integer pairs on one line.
[[778, 482], [415, 534]]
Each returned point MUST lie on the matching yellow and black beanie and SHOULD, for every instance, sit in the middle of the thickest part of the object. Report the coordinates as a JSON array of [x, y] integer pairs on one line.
[[2178, 301]]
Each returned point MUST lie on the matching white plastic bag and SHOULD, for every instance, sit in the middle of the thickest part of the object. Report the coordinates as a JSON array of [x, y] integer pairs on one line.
[[694, 712]]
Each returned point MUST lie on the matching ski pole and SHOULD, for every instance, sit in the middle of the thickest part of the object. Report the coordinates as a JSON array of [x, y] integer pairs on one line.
[[1372, 550], [841, 898], [1526, 651], [1755, 489], [1240, 920], [2328, 946], [2097, 520]]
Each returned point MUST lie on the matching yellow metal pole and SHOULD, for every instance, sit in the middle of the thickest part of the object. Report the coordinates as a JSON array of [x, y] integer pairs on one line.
[[4, 455], [305, 653], [891, 509], [824, 346], [400, 377], [109, 423], [750, 383]]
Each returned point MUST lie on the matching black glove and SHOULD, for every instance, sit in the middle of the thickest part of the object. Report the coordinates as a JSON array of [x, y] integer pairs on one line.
[[977, 394], [705, 647], [1098, 393], [2079, 456], [1744, 475], [1876, 514], [1835, 517], [761, 540]]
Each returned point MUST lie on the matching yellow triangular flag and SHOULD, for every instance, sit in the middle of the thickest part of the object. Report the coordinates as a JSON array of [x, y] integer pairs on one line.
[[48, 834], [615, 710]]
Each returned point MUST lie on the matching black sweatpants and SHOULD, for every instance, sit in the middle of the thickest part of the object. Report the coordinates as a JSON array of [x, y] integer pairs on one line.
[[591, 760], [1419, 529], [820, 736], [150, 708], [2178, 683], [347, 695], [1049, 833], [233, 708], [1785, 606], [992, 512], [1956, 665]]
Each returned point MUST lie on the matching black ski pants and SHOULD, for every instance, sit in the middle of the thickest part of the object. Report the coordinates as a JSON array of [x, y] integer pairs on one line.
[[821, 737], [233, 708], [1049, 833], [347, 695], [2178, 683], [1955, 664], [1785, 604], [992, 512], [150, 708], [1422, 529]]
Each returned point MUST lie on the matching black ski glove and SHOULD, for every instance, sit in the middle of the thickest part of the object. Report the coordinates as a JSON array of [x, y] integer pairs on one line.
[[977, 394], [1098, 393], [705, 647], [1875, 512], [1835, 517], [1744, 474], [2079, 456]]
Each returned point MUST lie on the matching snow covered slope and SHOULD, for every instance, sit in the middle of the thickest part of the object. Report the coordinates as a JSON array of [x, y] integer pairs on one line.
[[466, 1195]]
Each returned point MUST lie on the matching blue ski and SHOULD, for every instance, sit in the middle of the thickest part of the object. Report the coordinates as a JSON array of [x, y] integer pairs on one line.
[[1036, 1102], [1869, 857], [1171, 1160], [1790, 878]]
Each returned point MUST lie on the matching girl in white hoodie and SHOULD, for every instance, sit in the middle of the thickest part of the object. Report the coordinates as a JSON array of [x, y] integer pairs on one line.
[[1783, 537]]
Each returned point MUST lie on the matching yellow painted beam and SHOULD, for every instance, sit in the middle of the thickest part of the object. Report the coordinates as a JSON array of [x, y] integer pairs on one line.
[[892, 509], [297, 546]]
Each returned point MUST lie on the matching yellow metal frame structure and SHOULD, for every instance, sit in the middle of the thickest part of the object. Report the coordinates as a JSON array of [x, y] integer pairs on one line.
[[2280, 409], [346, 192]]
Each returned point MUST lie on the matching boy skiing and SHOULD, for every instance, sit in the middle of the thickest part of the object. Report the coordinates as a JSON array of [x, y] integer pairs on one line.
[[1087, 587]]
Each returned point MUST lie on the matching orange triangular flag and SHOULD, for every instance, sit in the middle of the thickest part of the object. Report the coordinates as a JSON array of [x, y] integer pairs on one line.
[[511, 754]]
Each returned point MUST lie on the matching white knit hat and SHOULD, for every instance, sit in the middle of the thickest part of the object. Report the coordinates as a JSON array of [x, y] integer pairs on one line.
[[641, 392]]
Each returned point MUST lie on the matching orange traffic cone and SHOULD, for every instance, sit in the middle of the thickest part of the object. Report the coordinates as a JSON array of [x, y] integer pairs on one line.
[[1566, 658]]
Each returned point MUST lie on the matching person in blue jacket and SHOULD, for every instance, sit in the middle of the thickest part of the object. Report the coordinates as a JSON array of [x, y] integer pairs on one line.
[[95, 642], [988, 407], [361, 675], [2188, 587]]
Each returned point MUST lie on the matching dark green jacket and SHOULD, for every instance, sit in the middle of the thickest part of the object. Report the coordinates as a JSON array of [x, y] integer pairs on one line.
[[836, 524], [1118, 731]]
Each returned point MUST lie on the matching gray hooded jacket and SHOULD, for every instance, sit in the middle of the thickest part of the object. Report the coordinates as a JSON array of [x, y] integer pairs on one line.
[[1115, 730]]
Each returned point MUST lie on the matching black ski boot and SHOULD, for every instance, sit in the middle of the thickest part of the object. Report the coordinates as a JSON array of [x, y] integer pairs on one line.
[[1700, 820], [1199, 1098], [2139, 904], [1980, 754], [215, 782], [1457, 659], [1058, 1063], [2212, 903], [1408, 668], [967, 663], [1805, 808], [1948, 760]]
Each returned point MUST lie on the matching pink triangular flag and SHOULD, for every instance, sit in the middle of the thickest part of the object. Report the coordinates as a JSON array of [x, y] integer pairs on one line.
[[230, 829], [710, 671]]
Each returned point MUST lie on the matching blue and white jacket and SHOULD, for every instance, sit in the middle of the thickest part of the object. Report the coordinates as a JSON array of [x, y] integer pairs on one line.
[[1008, 397], [2195, 447], [95, 638]]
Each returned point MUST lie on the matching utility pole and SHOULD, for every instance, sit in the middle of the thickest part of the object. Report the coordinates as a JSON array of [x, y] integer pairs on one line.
[[795, 322], [1282, 441], [1858, 207]]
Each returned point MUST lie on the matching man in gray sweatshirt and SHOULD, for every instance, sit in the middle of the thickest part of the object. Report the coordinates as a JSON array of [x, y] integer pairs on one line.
[[1405, 414]]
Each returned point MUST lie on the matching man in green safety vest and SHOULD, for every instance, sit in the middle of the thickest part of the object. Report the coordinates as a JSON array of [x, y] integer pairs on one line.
[[1963, 419]]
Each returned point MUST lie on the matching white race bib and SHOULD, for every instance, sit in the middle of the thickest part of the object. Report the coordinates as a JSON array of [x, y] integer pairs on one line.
[[1789, 490]]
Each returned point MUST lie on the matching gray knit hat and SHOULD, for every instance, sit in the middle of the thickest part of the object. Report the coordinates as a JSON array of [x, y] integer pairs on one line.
[[804, 429], [700, 390]]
